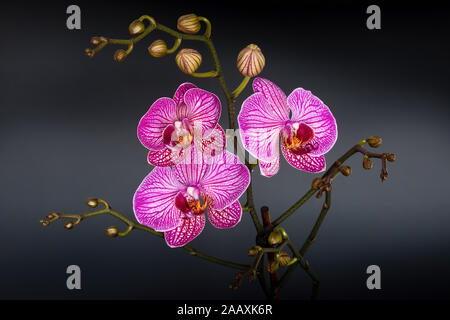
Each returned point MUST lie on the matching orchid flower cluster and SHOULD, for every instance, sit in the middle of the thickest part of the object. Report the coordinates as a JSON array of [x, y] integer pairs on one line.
[[195, 175]]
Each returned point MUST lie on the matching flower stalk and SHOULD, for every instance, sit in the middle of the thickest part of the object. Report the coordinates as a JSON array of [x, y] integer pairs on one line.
[[271, 238]]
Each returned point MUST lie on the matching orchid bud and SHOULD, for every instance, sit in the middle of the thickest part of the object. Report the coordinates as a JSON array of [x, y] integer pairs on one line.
[[89, 52], [345, 170], [367, 163], [69, 225], [284, 258], [188, 60], [250, 61], [390, 157], [252, 252], [95, 41], [51, 215], [274, 238], [44, 223], [136, 27], [158, 49], [120, 55], [316, 183], [189, 23], [112, 232], [383, 176], [374, 141], [272, 267], [92, 202]]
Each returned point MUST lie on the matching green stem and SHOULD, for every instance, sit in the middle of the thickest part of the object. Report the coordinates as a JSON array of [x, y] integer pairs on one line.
[[313, 234], [331, 172], [131, 225], [240, 88]]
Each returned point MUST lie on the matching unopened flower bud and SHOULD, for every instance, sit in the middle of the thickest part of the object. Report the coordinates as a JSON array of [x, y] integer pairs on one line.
[[189, 23], [272, 267], [383, 176], [112, 232], [367, 163], [250, 61], [51, 215], [316, 183], [89, 52], [92, 202], [188, 60], [374, 141], [274, 238], [120, 55], [69, 225], [390, 157], [95, 41], [284, 259], [345, 170], [44, 223], [158, 49], [252, 252], [136, 27], [238, 276]]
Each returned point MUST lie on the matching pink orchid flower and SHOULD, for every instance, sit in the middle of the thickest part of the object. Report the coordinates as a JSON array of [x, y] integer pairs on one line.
[[171, 126], [306, 125], [175, 200]]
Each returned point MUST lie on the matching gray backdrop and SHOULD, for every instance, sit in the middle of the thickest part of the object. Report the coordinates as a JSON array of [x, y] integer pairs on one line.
[[68, 132]]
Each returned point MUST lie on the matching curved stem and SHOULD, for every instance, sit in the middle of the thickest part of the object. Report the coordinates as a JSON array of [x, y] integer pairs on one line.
[[131, 225], [330, 174], [241, 87], [313, 234]]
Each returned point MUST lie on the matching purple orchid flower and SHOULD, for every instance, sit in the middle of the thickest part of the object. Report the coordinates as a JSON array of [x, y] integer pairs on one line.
[[175, 200], [306, 135], [171, 126]]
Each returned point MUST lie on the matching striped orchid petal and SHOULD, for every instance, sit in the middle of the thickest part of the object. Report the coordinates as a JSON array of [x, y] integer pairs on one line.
[[269, 169], [260, 127], [161, 114], [178, 97], [204, 109], [305, 162], [308, 109], [227, 217], [225, 180], [154, 200], [274, 95], [165, 157], [187, 231]]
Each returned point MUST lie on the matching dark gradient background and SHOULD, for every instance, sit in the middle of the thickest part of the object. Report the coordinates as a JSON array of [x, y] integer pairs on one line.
[[68, 132]]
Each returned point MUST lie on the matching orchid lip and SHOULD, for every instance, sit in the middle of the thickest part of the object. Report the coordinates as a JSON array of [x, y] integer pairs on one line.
[[178, 135], [297, 137], [190, 202]]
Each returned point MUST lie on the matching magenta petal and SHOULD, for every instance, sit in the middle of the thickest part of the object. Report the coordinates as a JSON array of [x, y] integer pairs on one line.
[[274, 95], [225, 181], [305, 162], [165, 157], [178, 97], [186, 231], [191, 170], [214, 143], [226, 218], [154, 200], [310, 110], [269, 169], [161, 114], [260, 127], [204, 109]]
